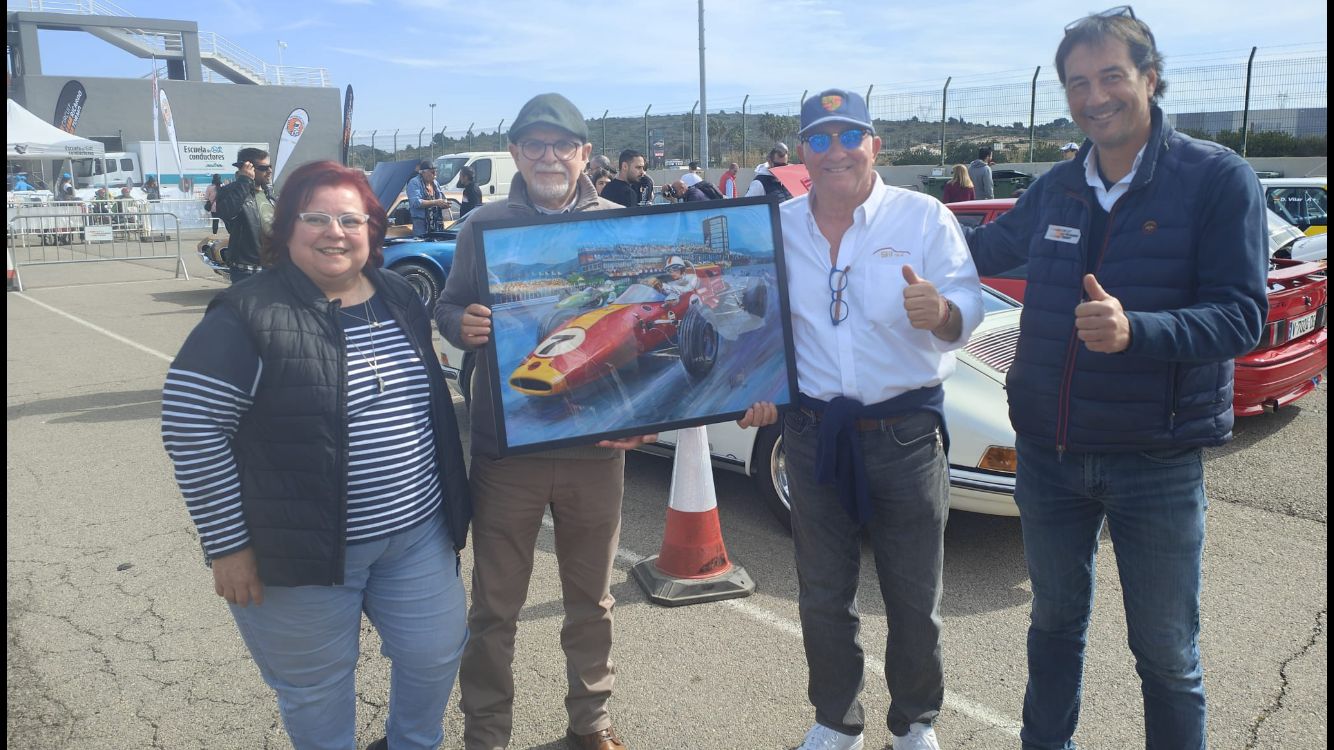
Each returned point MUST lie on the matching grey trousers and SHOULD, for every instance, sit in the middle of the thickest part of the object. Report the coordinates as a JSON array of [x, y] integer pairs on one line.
[[909, 477], [509, 498]]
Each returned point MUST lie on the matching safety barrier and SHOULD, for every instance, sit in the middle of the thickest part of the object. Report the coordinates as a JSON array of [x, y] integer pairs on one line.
[[91, 232]]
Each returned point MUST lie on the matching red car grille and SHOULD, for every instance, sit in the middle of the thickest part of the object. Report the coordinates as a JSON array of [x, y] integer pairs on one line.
[[995, 348]]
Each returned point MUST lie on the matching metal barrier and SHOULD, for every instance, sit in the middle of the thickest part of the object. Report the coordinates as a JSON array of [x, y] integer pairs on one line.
[[91, 232]]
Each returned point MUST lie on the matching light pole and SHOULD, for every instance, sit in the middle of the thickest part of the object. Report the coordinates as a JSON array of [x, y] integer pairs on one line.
[[703, 100], [432, 105], [281, 46]]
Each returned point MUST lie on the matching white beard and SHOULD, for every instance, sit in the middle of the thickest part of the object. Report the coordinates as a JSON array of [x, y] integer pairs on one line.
[[549, 192]]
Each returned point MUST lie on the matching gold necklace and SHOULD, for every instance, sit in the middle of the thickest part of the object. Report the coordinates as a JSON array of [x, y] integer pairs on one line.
[[374, 359]]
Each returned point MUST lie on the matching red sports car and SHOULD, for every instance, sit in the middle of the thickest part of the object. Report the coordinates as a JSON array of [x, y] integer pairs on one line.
[[1293, 352], [577, 347]]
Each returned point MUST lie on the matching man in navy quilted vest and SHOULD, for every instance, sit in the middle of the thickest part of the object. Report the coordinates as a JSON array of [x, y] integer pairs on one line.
[[1146, 276]]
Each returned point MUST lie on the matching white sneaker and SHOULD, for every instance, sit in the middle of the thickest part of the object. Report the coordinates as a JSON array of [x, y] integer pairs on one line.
[[919, 737], [822, 737]]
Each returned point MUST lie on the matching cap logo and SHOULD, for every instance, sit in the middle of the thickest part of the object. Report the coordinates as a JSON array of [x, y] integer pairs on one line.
[[831, 102]]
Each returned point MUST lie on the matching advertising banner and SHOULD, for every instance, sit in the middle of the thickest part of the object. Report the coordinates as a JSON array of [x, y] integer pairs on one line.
[[186, 185], [69, 106], [293, 128], [156, 136], [347, 122]]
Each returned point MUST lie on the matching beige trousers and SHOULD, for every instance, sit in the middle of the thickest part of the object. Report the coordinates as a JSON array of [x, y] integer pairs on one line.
[[509, 498]]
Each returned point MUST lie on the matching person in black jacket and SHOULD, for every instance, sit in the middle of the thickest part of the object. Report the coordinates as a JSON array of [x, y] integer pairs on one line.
[[626, 189], [472, 195], [316, 446], [1147, 264], [246, 207]]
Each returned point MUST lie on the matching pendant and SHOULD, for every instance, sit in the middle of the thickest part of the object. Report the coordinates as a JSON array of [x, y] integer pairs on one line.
[[379, 380]]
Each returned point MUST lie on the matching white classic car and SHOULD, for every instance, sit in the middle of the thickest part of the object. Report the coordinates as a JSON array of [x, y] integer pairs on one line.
[[982, 456]]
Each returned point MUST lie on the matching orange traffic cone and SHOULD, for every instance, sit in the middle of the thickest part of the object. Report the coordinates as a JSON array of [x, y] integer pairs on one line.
[[693, 566]]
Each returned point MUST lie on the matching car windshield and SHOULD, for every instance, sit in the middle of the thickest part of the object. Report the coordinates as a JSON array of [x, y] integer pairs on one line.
[[1281, 233], [446, 167], [640, 293], [993, 301]]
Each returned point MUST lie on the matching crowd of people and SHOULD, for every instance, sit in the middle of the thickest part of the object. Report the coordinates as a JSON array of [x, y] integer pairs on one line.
[[316, 445]]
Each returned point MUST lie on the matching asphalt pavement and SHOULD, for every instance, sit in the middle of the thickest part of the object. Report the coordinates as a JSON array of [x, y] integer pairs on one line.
[[115, 638]]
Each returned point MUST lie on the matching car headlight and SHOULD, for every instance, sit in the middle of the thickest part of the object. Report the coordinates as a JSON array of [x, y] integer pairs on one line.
[[999, 458]]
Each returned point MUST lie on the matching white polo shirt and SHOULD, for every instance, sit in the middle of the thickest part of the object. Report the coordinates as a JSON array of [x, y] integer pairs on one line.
[[875, 354]]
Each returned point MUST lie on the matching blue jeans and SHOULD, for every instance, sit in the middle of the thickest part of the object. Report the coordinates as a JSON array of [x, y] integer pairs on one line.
[[1154, 506], [909, 481], [305, 641]]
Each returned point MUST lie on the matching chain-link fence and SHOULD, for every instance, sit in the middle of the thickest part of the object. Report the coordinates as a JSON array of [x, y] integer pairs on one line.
[[1278, 100]]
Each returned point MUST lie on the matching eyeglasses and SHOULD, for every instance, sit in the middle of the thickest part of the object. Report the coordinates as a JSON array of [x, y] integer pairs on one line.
[[263, 167], [1118, 11], [534, 149], [838, 282], [849, 139], [350, 222]]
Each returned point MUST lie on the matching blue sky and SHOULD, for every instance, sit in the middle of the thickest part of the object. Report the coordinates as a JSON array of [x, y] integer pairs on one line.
[[479, 60]]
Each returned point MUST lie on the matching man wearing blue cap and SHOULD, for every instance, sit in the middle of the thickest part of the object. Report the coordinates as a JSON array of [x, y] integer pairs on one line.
[[882, 292]]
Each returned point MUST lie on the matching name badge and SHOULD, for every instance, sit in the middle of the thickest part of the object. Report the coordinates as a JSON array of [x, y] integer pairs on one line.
[[1068, 235]]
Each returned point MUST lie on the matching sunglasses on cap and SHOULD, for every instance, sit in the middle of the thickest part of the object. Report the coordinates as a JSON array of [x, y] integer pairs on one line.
[[849, 139]]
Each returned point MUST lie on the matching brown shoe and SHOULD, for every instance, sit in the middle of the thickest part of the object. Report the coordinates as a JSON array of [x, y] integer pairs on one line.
[[603, 739]]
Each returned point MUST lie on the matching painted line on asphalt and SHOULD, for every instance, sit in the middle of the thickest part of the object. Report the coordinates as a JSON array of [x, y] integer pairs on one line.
[[95, 327], [955, 701]]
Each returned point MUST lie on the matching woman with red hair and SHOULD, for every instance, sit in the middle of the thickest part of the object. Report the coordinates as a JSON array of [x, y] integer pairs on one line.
[[315, 444]]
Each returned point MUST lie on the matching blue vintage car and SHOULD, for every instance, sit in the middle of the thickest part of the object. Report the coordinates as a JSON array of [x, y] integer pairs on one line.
[[423, 261]]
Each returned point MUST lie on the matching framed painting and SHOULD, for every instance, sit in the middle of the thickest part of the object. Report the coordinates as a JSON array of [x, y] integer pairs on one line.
[[629, 322]]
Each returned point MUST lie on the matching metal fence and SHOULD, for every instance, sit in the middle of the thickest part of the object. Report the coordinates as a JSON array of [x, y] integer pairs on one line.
[[1281, 90], [91, 232]]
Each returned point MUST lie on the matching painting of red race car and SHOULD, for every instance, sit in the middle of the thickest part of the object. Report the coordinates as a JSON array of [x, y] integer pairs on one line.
[[577, 347], [634, 321]]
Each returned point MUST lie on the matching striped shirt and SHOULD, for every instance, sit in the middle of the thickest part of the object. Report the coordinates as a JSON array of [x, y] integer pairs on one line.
[[393, 482]]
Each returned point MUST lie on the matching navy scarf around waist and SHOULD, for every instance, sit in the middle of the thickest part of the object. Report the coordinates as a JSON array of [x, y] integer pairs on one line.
[[838, 450]]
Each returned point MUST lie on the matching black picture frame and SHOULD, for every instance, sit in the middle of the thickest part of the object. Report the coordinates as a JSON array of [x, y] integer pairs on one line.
[[596, 338]]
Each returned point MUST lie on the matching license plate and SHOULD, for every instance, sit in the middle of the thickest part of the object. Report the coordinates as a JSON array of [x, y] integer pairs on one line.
[[1301, 326]]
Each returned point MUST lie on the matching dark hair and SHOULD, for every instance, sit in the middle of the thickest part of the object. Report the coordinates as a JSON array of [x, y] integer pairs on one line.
[[693, 166], [1097, 30], [217, 179], [628, 156], [984, 152], [469, 173], [251, 155], [297, 191], [425, 164]]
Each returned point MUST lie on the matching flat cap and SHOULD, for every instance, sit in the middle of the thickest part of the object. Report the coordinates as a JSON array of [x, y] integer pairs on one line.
[[553, 110]]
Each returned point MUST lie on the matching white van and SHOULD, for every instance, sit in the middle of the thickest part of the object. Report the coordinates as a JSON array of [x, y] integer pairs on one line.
[[494, 170]]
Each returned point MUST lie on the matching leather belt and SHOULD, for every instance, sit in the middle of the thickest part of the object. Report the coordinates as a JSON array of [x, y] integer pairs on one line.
[[863, 425]]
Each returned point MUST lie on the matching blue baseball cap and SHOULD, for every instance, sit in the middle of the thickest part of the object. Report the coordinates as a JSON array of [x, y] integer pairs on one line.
[[835, 105]]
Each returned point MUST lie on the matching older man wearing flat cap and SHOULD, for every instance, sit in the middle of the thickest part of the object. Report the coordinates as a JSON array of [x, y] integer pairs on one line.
[[883, 292], [582, 485]]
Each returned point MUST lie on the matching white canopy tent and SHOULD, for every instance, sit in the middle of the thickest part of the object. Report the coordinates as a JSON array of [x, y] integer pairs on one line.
[[27, 136]]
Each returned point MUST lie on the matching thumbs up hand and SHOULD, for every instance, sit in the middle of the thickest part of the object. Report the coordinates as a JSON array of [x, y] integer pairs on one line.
[[1101, 322], [926, 308]]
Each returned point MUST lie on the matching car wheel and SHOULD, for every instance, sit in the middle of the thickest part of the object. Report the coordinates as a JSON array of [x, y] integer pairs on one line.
[[421, 279], [554, 320], [770, 476], [698, 343], [755, 300]]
